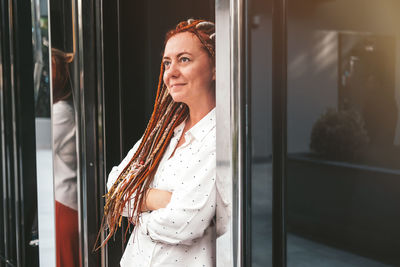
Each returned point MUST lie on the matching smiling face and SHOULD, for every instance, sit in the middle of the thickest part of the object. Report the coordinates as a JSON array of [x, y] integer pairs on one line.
[[189, 72]]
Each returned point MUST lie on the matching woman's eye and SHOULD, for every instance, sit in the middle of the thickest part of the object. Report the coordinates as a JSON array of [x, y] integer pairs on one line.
[[184, 59], [166, 63]]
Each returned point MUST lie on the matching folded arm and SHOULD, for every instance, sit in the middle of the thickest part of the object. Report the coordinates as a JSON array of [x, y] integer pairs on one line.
[[189, 211]]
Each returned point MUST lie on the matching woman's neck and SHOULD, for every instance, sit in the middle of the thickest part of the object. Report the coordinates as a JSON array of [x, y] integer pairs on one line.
[[197, 112]]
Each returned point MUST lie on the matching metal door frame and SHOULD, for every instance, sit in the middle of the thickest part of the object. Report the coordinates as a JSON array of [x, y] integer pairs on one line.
[[233, 123]]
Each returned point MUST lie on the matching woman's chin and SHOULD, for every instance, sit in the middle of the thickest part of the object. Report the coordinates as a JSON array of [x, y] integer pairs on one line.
[[177, 97]]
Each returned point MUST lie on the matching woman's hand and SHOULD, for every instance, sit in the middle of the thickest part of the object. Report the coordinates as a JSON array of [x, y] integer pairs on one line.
[[155, 199]]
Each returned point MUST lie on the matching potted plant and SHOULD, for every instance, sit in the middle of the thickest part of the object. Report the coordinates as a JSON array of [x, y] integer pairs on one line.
[[339, 135]]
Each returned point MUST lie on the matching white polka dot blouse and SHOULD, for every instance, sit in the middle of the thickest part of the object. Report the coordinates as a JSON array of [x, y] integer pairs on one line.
[[182, 233]]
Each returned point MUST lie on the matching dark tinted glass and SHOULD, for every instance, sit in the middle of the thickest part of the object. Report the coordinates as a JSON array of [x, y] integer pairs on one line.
[[343, 164], [260, 68]]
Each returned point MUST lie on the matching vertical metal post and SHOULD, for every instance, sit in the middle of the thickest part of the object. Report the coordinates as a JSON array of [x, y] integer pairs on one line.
[[89, 131], [80, 121], [237, 131], [226, 245], [279, 96], [4, 101]]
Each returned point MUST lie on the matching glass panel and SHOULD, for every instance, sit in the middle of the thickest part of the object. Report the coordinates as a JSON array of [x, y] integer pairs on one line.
[[64, 131], [343, 133], [260, 64], [44, 229]]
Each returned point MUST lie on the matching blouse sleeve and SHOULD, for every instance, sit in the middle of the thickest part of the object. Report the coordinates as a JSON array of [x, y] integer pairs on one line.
[[116, 171], [192, 205]]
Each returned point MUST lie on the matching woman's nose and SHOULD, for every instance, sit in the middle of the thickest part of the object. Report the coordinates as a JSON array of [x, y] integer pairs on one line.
[[173, 70]]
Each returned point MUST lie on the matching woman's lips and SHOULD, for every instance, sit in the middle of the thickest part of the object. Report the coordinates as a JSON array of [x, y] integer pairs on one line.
[[177, 85]]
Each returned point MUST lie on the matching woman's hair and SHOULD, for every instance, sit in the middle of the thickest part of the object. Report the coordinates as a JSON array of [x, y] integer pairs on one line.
[[135, 179], [60, 74]]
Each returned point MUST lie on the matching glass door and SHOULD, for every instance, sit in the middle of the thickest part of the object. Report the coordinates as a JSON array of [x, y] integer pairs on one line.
[[343, 130], [312, 143]]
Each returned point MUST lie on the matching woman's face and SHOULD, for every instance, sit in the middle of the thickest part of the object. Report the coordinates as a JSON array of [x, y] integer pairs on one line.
[[189, 72]]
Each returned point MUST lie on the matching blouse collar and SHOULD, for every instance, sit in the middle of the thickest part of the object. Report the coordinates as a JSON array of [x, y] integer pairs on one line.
[[201, 128]]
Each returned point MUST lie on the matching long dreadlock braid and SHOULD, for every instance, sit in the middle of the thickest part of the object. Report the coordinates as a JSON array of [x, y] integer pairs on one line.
[[136, 177]]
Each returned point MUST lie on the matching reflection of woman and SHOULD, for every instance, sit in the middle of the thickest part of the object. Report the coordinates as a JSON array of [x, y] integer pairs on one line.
[[166, 183], [65, 163]]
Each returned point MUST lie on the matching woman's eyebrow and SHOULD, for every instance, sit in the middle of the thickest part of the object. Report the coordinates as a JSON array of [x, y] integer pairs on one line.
[[178, 55]]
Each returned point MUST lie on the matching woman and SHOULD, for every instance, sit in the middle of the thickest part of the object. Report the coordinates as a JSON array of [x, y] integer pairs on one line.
[[166, 183]]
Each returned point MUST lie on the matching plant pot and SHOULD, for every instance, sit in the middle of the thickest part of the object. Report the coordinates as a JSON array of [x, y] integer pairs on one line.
[[350, 206]]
